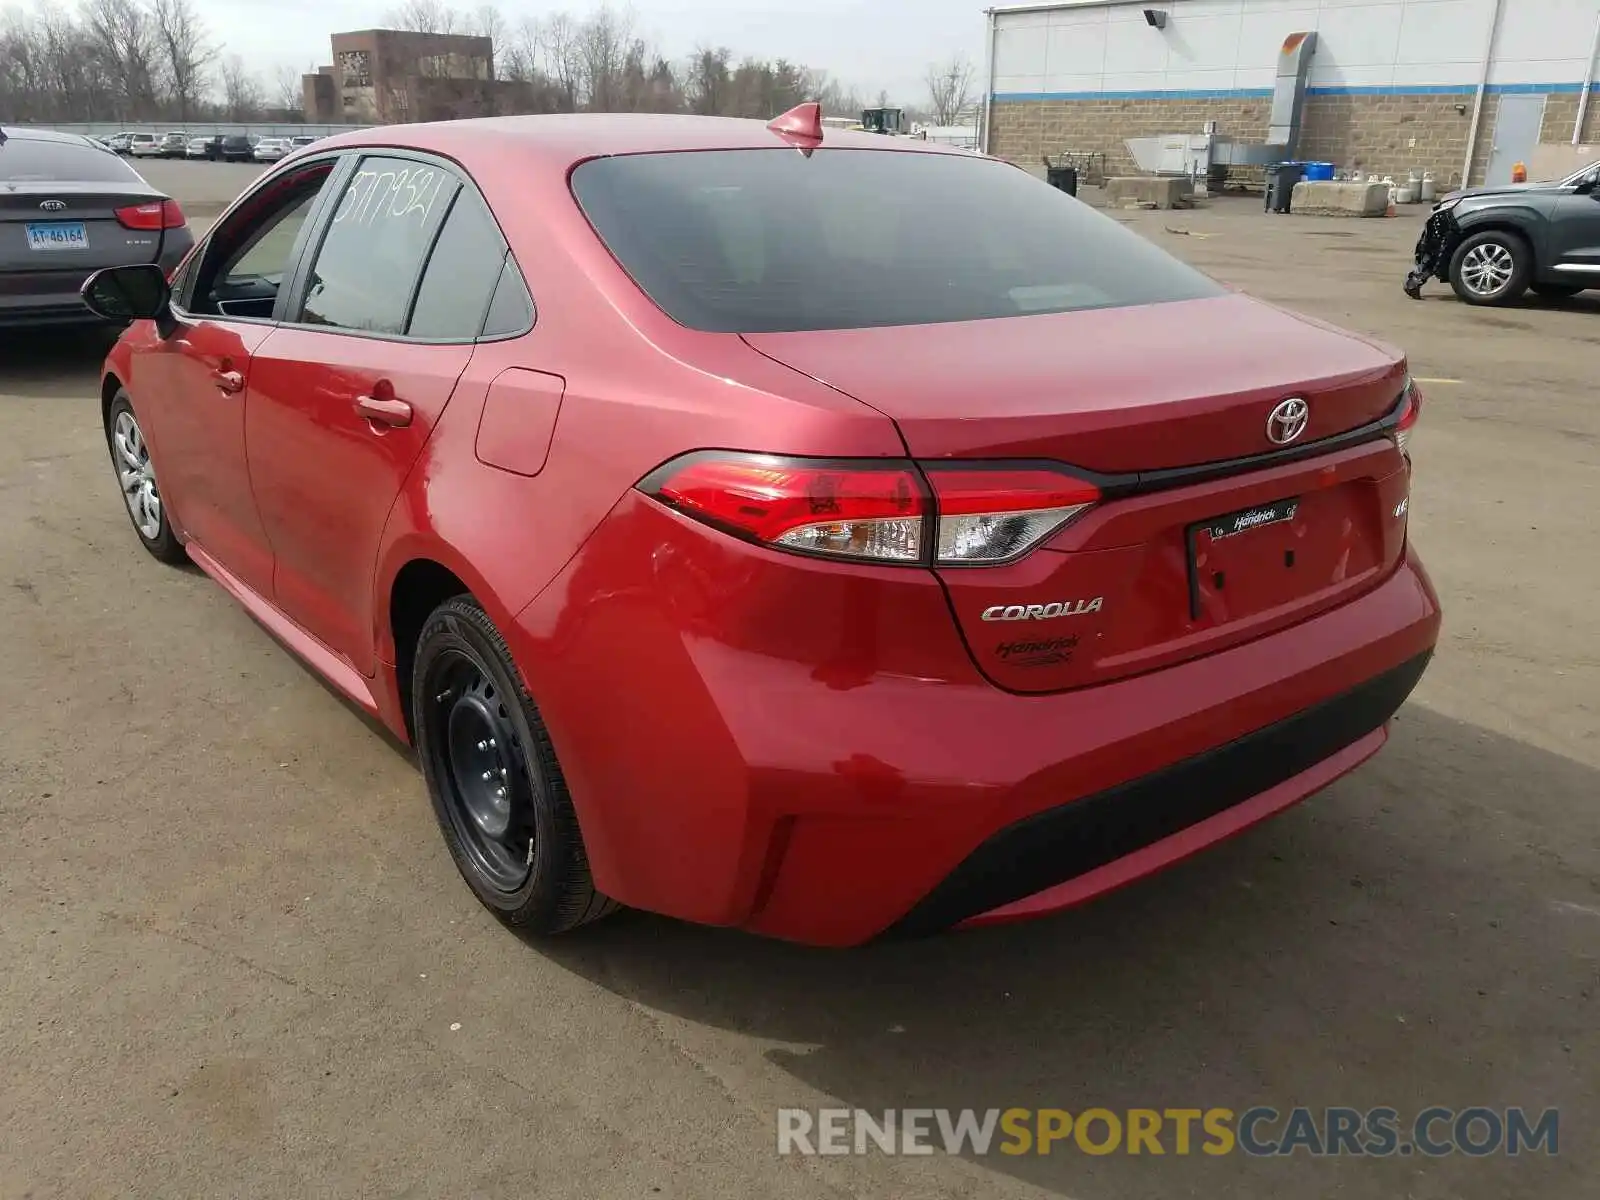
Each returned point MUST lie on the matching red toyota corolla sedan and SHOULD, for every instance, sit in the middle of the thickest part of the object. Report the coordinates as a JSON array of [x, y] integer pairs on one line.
[[828, 536]]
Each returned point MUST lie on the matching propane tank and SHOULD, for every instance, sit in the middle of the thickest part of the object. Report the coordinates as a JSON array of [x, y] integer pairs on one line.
[[1429, 188], [1414, 184], [1388, 182], [1405, 194]]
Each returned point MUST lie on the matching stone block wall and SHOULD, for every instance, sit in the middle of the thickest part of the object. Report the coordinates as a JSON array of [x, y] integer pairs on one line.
[[1376, 134]]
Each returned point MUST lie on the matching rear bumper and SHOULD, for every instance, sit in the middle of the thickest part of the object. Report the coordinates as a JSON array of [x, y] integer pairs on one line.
[[54, 299], [746, 785], [1069, 853]]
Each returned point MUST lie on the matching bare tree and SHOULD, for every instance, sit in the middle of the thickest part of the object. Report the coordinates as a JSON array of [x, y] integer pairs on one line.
[[708, 81], [288, 91], [837, 99], [241, 91], [488, 21], [187, 51], [126, 43], [563, 58], [949, 89], [603, 44], [426, 16]]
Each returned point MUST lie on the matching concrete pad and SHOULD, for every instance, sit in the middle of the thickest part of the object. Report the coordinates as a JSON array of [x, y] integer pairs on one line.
[[1329, 198], [1152, 191]]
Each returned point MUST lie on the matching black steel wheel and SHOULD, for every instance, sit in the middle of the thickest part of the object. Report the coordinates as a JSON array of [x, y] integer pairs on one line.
[[497, 789]]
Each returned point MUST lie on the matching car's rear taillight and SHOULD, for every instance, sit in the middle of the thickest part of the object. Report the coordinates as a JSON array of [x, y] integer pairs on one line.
[[1410, 410], [996, 515], [158, 214], [858, 510], [874, 510]]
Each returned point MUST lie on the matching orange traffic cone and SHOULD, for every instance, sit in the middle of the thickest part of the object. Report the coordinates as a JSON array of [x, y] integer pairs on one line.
[[1519, 172]]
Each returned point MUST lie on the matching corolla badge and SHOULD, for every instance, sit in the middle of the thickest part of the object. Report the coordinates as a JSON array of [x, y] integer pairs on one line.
[[1043, 612], [52, 205], [1288, 421]]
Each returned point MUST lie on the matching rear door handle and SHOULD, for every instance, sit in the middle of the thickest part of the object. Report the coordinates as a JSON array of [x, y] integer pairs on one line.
[[228, 382], [396, 413]]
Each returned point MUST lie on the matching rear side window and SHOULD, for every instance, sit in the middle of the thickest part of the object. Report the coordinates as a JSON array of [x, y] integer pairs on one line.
[[462, 272], [367, 266], [26, 160], [511, 310], [760, 241]]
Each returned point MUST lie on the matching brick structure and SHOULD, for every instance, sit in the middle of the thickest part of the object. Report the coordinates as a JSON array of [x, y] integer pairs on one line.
[[387, 76], [1382, 135]]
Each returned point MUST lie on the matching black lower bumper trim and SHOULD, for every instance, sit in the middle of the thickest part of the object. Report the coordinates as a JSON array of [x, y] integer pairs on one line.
[[1063, 843]]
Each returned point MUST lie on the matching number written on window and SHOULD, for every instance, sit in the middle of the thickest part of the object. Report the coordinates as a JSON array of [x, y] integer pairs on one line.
[[367, 267]]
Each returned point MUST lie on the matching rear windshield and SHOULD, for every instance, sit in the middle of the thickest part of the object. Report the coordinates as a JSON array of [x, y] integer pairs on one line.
[[763, 241], [25, 160]]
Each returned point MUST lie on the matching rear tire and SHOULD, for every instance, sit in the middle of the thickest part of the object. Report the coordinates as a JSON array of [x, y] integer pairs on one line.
[[1491, 268], [497, 790], [1557, 291]]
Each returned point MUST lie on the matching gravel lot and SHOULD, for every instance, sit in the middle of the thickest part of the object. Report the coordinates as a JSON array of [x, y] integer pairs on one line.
[[238, 961]]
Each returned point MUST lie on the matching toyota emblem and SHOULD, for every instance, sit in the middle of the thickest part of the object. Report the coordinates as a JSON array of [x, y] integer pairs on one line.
[[52, 205], [1288, 421]]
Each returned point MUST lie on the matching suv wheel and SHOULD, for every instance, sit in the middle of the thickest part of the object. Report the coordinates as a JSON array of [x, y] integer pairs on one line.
[[1491, 268], [497, 789]]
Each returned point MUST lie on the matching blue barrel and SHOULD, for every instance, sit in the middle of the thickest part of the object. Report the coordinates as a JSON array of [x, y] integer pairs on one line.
[[1319, 172]]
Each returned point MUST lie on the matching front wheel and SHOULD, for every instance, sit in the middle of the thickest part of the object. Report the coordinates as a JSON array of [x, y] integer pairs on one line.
[[498, 792], [1491, 268], [136, 476]]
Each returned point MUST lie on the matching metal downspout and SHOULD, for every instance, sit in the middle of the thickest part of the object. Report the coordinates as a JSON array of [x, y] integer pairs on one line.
[[1588, 82], [1483, 86], [988, 81]]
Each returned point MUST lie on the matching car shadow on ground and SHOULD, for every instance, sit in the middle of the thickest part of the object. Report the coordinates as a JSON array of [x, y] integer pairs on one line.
[[1313, 940], [58, 363]]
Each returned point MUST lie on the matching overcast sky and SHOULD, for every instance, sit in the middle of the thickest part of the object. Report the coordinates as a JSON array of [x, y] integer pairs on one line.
[[882, 44]]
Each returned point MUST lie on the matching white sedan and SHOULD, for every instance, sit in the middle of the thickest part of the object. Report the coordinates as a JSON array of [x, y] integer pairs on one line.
[[270, 149]]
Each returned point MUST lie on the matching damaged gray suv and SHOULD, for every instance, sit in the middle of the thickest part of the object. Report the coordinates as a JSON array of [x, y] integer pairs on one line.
[[1491, 244]]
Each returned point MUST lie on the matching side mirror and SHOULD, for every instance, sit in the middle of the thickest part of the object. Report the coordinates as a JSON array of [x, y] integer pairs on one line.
[[133, 293]]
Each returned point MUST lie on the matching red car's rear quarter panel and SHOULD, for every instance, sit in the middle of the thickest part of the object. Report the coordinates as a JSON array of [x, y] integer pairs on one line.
[[639, 389]]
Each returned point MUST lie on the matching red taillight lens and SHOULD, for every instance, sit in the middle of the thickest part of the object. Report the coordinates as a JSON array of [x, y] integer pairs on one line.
[[854, 510], [875, 511], [993, 516], [1410, 411], [158, 214]]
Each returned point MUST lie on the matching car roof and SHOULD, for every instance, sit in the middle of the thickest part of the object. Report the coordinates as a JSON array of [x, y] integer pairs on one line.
[[44, 135], [562, 139]]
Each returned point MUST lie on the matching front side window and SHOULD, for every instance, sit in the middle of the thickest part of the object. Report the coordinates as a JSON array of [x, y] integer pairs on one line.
[[763, 241], [248, 257], [366, 269]]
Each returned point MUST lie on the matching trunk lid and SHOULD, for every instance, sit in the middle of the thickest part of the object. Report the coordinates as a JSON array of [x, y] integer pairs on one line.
[[92, 205], [1166, 567], [1112, 390]]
